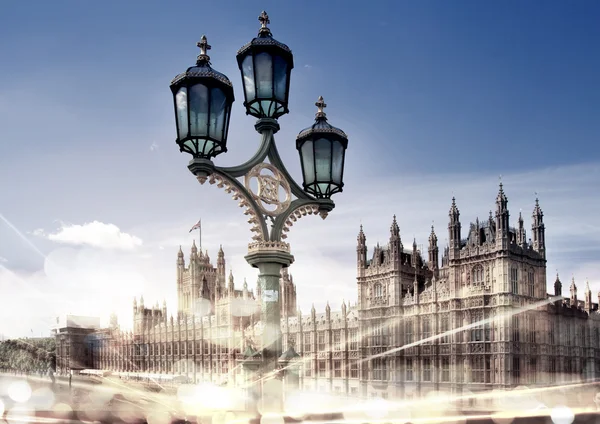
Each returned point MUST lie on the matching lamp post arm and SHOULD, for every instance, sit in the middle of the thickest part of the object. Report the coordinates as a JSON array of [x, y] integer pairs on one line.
[[275, 159], [259, 156], [231, 185], [297, 209]]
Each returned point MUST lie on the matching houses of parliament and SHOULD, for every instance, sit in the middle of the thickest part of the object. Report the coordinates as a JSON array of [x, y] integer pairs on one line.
[[477, 318]]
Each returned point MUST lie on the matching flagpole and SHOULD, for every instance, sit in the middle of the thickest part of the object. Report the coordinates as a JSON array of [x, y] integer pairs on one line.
[[200, 235]]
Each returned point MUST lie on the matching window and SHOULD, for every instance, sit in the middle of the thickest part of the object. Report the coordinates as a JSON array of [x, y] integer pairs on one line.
[[206, 348], [322, 368], [379, 369], [408, 331], [321, 341], [532, 331], [477, 369], [426, 325], [337, 369], [337, 339], [516, 370], [426, 369], [531, 283], [445, 370], [514, 282], [444, 328], [379, 336], [308, 369], [378, 290], [552, 340], [354, 369], [532, 370], [516, 336], [477, 276], [353, 335], [307, 342], [409, 369], [476, 332]]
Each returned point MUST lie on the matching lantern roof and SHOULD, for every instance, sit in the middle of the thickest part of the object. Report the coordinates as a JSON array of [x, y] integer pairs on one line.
[[321, 126], [202, 68], [264, 38]]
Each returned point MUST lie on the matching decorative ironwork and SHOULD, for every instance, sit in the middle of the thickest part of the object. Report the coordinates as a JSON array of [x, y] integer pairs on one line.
[[237, 193], [269, 189]]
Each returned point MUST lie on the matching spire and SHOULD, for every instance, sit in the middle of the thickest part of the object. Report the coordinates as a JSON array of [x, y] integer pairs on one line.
[[501, 198], [557, 286], [573, 292], [245, 284], [432, 237], [538, 229], [361, 236], [394, 229], [194, 248], [180, 253], [453, 208]]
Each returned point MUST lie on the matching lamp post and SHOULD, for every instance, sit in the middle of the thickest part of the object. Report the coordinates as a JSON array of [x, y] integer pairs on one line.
[[203, 98]]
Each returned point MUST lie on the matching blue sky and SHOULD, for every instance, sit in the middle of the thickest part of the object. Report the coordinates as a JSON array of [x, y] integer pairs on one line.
[[438, 98]]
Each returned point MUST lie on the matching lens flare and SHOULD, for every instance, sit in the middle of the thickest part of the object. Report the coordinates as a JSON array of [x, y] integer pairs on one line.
[[19, 391], [562, 415]]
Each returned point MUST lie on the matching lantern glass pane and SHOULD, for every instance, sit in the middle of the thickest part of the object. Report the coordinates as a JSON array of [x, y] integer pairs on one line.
[[308, 162], [218, 106], [264, 75], [337, 162], [248, 77], [281, 68], [199, 110], [268, 107], [323, 159], [182, 112]]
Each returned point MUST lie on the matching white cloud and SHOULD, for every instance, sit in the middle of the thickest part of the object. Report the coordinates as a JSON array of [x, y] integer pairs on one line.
[[154, 146], [3, 260], [94, 234]]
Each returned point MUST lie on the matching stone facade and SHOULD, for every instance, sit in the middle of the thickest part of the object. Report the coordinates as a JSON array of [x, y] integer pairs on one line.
[[478, 318]]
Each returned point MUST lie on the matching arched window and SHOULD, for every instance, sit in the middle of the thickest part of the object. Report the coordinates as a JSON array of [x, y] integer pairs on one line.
[[531, 283], [378, 290], [514, 280], [477, 275]]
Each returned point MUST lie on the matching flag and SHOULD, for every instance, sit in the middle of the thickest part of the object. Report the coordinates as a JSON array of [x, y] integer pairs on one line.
[[198, 225]]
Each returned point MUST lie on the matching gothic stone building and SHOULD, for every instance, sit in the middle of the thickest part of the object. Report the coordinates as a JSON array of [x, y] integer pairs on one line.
[[478, 319]]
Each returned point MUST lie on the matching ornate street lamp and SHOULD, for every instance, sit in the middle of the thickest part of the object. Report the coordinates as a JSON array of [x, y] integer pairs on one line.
[[272, 200], [322, 149], [266, 65], [203, 99]]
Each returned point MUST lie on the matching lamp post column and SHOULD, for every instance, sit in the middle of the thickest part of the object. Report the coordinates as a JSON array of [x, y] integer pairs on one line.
[[270, 258]]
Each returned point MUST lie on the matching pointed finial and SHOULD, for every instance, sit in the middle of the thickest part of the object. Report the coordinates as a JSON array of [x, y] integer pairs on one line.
[[203, 57], [320, 104], [264, 21]]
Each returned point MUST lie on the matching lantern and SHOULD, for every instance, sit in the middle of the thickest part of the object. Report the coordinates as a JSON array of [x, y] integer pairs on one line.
[[322, 149], [203, 99], [266, 65]]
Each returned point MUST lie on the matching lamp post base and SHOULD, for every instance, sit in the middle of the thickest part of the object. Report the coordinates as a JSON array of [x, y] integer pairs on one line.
[[270, 258]]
